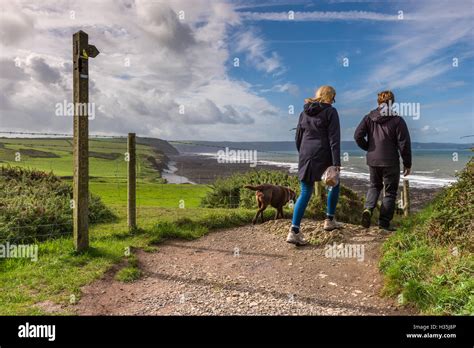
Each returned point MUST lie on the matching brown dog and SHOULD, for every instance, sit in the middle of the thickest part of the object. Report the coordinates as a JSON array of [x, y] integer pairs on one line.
[[274, 195]]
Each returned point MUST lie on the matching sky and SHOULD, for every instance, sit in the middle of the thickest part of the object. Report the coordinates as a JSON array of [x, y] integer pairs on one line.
[[238, 70]]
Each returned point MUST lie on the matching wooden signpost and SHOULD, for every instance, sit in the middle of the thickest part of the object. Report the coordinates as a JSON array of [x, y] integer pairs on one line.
[[82, 51]]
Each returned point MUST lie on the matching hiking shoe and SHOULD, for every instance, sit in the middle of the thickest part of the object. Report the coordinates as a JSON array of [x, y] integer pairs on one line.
[[387, 228], [296, 238], [366, 217], [330, 225]]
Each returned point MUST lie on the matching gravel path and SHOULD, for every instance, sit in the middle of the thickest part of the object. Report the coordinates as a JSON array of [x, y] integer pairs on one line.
[[249, 270]]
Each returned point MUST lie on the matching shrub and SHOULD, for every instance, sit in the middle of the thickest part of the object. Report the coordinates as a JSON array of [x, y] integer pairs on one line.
[[229, 193], [37, 205]]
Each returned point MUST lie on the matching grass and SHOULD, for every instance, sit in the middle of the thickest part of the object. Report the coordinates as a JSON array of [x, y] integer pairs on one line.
[[129, 273], [149, 194], [429, 262]]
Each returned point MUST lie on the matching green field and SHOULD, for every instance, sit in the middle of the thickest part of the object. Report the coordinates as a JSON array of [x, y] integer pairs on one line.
[[107, 170], [106, 158]]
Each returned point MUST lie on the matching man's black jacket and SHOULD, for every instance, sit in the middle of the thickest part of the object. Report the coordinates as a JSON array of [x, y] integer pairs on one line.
[[387, 139]]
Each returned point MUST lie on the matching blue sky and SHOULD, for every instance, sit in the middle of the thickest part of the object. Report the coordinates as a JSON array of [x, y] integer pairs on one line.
[[166, 66], [311, 53]]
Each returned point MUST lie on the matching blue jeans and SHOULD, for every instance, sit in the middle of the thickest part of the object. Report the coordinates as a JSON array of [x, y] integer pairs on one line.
[[303, 200]]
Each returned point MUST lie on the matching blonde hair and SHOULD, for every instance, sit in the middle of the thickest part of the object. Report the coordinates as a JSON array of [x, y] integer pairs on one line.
[[324, 94]]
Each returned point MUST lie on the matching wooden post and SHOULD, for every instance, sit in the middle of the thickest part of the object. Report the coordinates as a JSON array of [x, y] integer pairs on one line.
[[406, 197], [131, 178], [81, 144], [318, 190], [401, 204], [81, 52]]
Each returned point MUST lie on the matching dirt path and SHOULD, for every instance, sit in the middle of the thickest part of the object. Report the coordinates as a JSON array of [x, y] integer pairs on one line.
[[249, 270]]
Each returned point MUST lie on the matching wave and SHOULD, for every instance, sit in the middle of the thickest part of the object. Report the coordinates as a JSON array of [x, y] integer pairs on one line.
[[426, 171], [419, 181], [416, 180]]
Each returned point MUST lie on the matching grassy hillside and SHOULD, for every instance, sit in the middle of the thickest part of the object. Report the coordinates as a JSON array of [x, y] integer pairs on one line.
[[159, 144], [429, 262], [107, 168], [106, 156]]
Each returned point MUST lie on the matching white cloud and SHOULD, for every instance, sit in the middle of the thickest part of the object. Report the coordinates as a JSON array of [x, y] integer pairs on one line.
[[431, 130], [187, 62], [15, 26], [290, 88], [173, 62], [320, 16], [257, 53]]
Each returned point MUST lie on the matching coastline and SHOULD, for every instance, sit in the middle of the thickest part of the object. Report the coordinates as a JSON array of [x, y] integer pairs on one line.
[[197, 169]]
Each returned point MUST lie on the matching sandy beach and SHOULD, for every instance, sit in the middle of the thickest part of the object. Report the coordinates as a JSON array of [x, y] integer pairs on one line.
[[205, 170]]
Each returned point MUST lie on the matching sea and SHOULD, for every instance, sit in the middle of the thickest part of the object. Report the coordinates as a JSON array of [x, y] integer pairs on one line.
[[435, 165]]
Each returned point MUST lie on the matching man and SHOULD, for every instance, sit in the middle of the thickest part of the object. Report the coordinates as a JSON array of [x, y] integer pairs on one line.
[[385, 137]]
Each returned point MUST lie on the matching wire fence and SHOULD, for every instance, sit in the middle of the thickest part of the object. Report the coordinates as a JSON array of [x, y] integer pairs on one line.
[[110, 178], [115, 179], [16, 151]]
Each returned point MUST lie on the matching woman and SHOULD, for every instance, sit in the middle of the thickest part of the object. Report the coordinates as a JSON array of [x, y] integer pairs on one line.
[[318, 140]]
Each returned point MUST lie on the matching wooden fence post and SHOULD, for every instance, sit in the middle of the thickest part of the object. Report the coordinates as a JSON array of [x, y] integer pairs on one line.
[[318, 190], [131, 179], [406, 197], [81, 51]]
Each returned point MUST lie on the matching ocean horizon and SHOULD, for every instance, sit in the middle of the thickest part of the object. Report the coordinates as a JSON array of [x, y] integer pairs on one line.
[[435, 165]]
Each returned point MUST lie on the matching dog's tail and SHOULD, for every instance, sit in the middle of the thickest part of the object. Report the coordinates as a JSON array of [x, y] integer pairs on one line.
[[254, 188]]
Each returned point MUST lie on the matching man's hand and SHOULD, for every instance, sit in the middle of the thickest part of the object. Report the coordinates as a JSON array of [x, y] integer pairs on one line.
[[406, 171]]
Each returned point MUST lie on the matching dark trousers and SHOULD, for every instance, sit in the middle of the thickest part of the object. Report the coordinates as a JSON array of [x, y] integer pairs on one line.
[[380, 176]]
